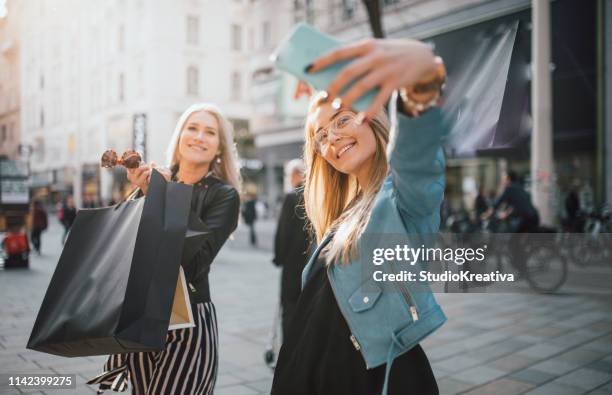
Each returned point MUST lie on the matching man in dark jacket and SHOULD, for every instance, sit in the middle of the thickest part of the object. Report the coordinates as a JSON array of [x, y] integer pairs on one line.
[[519, 204], [68, 216], [249, 214], [292, 242], [39, 224], [522, 213]]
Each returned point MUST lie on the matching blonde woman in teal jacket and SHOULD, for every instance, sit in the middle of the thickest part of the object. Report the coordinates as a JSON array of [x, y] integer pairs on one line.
[[351, 335]]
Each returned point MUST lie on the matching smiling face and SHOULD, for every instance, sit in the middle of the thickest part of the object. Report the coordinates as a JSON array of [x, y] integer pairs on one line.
[[345, 145], [199, 142]]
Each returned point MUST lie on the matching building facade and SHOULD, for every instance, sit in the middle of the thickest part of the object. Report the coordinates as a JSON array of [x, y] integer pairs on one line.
[[117, 75], [10, 136]]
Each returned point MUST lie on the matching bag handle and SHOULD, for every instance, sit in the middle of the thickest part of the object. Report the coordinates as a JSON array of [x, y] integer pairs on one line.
[[131, 195]]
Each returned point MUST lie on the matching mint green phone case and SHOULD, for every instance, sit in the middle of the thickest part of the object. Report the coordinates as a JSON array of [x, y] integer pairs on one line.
[[301, 48]]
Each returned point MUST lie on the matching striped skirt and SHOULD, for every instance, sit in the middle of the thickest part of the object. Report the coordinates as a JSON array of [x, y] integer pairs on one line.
[[187, 365]]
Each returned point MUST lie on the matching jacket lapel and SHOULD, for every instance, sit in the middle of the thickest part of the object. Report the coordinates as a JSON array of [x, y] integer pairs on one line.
[[313, 258]]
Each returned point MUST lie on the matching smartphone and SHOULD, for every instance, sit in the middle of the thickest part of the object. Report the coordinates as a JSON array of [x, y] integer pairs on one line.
[[305, 44]]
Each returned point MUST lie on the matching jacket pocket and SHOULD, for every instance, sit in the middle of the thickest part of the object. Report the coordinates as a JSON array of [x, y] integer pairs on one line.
[[365, 297]]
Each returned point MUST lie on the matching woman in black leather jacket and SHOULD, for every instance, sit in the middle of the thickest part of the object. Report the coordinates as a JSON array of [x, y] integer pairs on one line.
[[201, 153]]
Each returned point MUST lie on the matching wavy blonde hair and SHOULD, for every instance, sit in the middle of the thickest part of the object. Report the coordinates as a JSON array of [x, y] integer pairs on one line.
[[334, 200], [229, 169]]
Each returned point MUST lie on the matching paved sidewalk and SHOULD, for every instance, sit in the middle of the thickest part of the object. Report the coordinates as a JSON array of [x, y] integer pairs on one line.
[[491, 344]]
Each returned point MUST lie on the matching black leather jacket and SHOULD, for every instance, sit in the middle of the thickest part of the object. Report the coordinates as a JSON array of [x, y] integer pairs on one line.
[[217, 204]]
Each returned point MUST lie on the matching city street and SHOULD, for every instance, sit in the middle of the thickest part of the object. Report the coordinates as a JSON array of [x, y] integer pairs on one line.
[[491, 344]]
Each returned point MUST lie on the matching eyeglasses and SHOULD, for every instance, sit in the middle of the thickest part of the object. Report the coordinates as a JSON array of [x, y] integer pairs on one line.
[[340, 122], [130, 159]]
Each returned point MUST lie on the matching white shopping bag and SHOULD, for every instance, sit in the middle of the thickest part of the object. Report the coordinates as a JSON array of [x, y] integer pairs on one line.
[[181, 316]]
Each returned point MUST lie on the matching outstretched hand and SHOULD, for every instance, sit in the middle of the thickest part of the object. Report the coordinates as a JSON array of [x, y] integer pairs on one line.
[[386, 64]]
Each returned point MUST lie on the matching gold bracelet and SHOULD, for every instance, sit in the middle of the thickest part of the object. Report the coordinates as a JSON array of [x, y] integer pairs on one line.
[[415, 108], [435, 84]]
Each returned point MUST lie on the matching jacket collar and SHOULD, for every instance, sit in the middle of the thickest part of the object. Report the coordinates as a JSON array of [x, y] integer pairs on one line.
[[204, 180], [313, 258]]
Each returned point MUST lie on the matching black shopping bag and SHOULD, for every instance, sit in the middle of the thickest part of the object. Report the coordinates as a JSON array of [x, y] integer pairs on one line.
[[113, 288]]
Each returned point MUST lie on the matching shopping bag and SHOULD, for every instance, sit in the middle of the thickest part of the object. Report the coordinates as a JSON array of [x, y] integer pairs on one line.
[[114, 285], [181, 315]]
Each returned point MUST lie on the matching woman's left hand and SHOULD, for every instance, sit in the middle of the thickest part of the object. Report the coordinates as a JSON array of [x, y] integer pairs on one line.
[[164, 171], [386, 64]]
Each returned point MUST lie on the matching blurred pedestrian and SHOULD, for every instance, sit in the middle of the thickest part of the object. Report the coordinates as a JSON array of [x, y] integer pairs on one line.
[[572, 208], [68, 215], [481, 204], [89, 202], [60, 211], [249, 215], [519, 208], [39, 224], [521, 214], [291, 241]]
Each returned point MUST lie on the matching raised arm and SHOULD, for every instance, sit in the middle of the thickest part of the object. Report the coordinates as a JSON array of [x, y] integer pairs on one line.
[[417, 163]]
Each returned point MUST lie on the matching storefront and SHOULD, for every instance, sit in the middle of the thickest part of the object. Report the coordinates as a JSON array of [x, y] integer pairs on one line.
[[489, 90], [487, 52]]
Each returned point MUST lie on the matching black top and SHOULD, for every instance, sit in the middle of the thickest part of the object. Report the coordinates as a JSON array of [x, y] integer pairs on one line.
[[318, 358], [291, 244], [517, 198]]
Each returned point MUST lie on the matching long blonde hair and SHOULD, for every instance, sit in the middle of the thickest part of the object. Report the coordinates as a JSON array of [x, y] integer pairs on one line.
[[334, 200], [228, 170]]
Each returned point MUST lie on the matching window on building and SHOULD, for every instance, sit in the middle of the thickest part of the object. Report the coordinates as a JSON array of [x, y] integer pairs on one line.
[[42, 117], [3, 134], [348, 8], [265, 35], [236, 37], [236, 86], [141, 79], [193, 29], [389, 2], [193, 80], [310, 14], [251, 39], [121, 38], [42, 82], [121, 87]]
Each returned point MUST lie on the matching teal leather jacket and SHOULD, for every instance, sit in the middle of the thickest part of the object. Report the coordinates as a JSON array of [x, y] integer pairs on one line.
[[387, 322]]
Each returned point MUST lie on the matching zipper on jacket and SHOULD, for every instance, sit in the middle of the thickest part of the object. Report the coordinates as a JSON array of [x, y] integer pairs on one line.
[[355, 342], [410, 300], [415, 315], [412, 306], [352, 337]]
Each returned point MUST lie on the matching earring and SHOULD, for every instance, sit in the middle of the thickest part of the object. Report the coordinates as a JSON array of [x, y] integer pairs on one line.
[[218, 160]]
